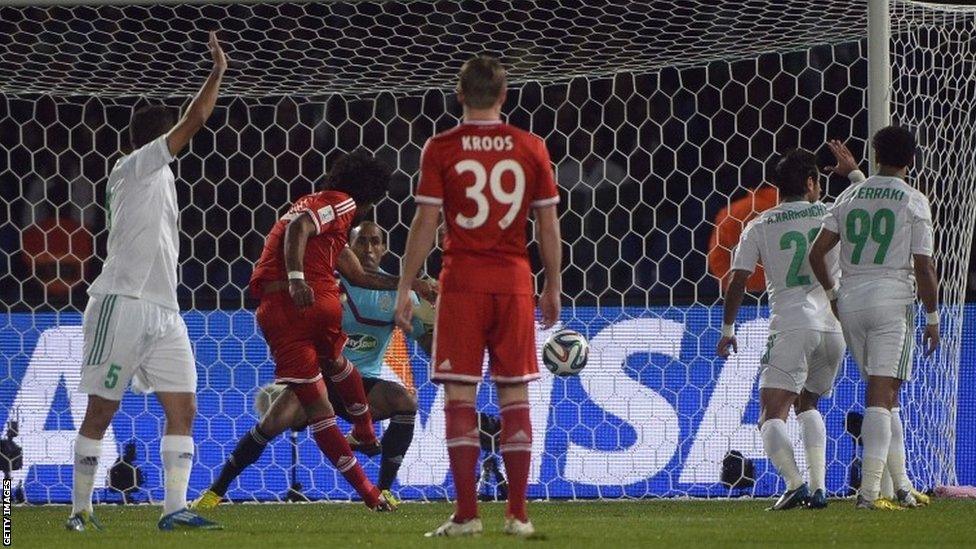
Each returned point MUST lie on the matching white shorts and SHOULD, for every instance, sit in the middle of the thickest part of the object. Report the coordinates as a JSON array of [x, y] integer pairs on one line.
[[801, 359], [129, 339], [882, 340]]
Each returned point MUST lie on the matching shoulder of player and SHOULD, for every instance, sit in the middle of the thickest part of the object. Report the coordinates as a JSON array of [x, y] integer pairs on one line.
[[439, 138], [847, 194], [918, 202], [337, 199], [753, 224], [524, 136]]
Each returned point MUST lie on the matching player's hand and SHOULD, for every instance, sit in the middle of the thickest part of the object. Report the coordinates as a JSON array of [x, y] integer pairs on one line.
[[833, 309], [403, 314], [931, 338], [217, 53], [427, 289], [301, 293], [723, 346], [845, 160], [550, 306]]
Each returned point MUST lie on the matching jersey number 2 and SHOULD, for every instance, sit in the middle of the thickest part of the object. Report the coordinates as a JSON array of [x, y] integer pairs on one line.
[[493, 180], [796, 239]]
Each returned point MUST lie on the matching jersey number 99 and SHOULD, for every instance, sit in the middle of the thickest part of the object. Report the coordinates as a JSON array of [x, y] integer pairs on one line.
[[493, 180]]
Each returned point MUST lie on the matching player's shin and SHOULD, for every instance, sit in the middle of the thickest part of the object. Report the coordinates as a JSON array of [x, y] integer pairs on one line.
[[463, 448], [248, 450], [876, 435], [177, 454], [87, 453], [329, 439], [896, 454], [396, 442], [516, 450], [349, 384], [814, 434], [778, 448]]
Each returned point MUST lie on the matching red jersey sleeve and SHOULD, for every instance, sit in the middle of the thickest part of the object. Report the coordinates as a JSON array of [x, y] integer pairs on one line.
[[546, 193], [323, 211], [430, 190]]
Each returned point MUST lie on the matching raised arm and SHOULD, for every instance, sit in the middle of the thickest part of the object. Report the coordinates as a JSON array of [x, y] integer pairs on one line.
[[202, 105], [551, 252], [733, 300], [420, 240]]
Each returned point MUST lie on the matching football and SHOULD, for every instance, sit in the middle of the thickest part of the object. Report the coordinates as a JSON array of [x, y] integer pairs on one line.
[[565, 353]]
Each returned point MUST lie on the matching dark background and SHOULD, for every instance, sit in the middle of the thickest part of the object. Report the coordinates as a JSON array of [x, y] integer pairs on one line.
[[648, 147]]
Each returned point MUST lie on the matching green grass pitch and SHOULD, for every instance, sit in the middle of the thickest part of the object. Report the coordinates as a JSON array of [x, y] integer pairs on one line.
[[657, 523]]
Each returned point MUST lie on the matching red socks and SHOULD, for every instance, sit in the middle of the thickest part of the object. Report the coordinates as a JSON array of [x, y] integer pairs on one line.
[[347, 381], [516, 450], [463, 448], [329, 439]]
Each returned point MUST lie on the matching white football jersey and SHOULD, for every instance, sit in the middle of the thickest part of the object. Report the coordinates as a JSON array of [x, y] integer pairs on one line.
[[781, 238], [881, 222], [143, 237]]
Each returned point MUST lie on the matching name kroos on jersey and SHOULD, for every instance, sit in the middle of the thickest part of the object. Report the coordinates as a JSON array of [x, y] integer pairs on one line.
[[487, 143]]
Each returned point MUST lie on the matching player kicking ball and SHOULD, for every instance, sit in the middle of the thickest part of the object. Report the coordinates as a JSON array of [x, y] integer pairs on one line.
[[367, 318], [805, 346], [300, 315], [486, 175], [884, 227], [132, 325]]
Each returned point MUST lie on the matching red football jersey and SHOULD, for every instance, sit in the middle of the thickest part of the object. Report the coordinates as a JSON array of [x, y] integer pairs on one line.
[[486, 175], [333, 213]]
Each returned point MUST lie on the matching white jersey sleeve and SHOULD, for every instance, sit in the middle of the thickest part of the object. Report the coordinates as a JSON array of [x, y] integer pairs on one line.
[[146, 160], [923, 238], [747, 251]]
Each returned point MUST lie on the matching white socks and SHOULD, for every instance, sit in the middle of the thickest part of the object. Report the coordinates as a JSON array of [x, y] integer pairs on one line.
[[896, 453], [177, 453], [814, 434], [876, 435], [779, 450], [87, 452]]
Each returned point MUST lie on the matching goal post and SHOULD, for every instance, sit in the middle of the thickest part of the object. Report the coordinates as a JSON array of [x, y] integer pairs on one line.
[[661, 119], [879, 68]]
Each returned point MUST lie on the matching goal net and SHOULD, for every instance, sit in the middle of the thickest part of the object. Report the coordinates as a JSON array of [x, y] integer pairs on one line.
[[661, 119]]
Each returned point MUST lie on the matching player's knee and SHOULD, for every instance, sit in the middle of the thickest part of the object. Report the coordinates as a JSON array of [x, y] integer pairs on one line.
[[98, 416], [404, 401], [179, 419]]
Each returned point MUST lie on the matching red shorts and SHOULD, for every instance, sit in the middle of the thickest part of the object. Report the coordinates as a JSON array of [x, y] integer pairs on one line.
[[299, 339], [467, 323]]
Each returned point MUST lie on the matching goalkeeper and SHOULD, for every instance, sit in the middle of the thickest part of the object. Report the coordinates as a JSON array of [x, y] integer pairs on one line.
[[367, 318]]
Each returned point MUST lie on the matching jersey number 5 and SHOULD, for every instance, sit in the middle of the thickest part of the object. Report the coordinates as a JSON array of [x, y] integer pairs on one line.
[[493, 180]]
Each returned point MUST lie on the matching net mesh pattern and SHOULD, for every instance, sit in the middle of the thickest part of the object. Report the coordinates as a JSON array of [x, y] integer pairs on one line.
[[661, 120]]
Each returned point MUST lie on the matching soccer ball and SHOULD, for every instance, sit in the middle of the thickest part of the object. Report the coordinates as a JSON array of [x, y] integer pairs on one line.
[[565, 353]]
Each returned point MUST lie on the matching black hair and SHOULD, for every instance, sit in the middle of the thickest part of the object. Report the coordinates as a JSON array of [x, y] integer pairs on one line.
[[360, 175], [793, 170], [894, 146], [148, 123]]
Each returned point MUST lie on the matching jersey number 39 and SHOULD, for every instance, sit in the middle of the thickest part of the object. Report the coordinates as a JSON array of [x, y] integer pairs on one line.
[[493, 180]]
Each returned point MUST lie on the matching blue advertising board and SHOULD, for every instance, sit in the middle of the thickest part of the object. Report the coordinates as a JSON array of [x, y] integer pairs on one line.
[[653, 414]]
